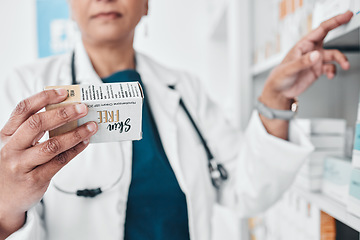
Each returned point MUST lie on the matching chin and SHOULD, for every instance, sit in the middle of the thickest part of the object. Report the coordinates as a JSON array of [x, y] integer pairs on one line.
[[108, 34]]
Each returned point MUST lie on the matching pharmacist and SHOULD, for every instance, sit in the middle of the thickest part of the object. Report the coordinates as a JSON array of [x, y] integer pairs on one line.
[[160, 187]]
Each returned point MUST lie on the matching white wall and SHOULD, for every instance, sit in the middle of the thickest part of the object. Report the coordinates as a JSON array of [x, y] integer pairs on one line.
[[179, 37], [18, 34]]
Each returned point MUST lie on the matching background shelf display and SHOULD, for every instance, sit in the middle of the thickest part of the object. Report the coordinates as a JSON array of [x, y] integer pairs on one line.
[[272, 38], [330, 206], [345, 38]]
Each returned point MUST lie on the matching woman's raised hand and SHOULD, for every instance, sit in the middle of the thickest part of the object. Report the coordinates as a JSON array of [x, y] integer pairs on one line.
[[27, 166], [304, 64]]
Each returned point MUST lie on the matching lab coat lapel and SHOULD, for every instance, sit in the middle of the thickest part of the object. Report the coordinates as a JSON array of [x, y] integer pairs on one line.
[[84, 70], [164, 104]]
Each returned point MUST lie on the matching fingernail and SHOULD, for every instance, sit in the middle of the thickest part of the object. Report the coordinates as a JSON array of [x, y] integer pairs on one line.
[[61, 91], [86, 142], [314, 56], [91, 126], [80, 108]]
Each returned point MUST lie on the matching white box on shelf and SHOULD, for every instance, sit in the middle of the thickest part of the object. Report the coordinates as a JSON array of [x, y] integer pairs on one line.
[[353, 204], [311, 171], [356, 6], [356, 150], [328, 142], [356, 159], [310, 184], [329, 8], [336, 178], [318, 157], [322, 126]]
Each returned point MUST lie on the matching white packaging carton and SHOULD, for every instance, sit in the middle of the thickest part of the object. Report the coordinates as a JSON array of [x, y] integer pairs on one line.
[[356, 150], [329, 8], [322, 142], [337, 172], [318, 157], [322, 126], [311, 171], [310, 184], [116, 107], [353, 204]]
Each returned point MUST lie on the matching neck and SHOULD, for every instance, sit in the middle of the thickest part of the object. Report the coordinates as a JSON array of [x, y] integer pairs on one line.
[[108, 58]]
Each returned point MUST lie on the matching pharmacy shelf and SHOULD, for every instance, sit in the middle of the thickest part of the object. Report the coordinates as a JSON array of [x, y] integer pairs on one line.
[[218, 26], [346, 38], [330, 206], [268, 64]]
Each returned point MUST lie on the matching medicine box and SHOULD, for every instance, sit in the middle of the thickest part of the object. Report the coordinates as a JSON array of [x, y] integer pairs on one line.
[[116, 107], [328, 141], [353, 204], [311, 171], [322, 126], [336, 178], [318, 157], [356, 150], [310, 184]]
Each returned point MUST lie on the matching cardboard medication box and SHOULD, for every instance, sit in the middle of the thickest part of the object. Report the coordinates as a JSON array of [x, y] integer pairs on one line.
[[337, 172], [356, 150], [353, 205], [322, 126], [116, 107]]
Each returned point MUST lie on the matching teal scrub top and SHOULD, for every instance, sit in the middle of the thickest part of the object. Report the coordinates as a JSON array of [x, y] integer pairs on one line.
[[156, 207]]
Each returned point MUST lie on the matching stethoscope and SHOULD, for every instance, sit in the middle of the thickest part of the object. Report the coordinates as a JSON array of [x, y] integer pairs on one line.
[[217, 171]]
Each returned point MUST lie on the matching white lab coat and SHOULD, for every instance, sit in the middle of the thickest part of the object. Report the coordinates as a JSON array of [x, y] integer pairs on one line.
[[261, 166]]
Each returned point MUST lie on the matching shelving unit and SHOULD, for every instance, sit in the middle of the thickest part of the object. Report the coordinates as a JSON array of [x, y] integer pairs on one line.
[[330, 206], [346, 38], [337, 100]]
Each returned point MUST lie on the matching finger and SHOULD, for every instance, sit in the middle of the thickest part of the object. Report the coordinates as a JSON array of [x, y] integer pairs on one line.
[[37, 138], [49, 149], [329, 70], [337, 56], [44, 173], [306, 61], [32, 105], [26, 134], [320, 33]]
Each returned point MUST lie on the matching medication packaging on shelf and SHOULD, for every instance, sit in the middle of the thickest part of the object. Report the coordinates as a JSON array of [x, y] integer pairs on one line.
[[336, 178], [353, 203], [324, 10], [356, 151], [294, 19], [328, 137], [293, 217]]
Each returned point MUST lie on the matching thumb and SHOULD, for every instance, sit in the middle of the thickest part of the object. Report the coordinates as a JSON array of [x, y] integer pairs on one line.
[[304, 62]]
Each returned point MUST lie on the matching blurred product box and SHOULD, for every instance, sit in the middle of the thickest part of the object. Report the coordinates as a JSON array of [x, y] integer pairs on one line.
[[328, 137], [116, 107], [356, 150], [329, 8], [311, 171], [317, 158], [353, 204], [311, 184], [356, 6], [322, 126], [328, 142], [336, 178]]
